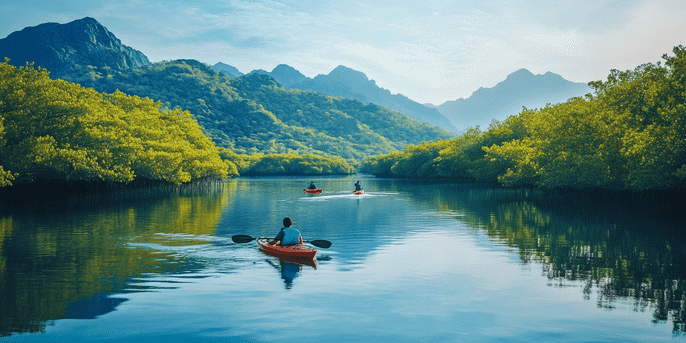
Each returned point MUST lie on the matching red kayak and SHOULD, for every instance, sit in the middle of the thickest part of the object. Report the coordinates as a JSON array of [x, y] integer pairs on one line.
[[295, 251], [313, 191], [361, 191]]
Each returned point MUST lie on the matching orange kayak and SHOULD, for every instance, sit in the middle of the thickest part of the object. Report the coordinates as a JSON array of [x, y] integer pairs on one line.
[[297, 251], [313, 191], [359, 192]]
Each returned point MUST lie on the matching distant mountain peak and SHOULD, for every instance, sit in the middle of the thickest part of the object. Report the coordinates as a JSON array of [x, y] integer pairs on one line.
[[287, 76], [343, 73], [284, 67], [227, 69], [520, 74], [519, 89]]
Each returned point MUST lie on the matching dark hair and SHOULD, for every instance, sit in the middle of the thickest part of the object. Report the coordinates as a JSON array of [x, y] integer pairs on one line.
[[287, 221]]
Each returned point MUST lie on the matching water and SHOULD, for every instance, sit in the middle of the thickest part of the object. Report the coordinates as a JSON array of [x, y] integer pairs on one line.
[[410, 261]]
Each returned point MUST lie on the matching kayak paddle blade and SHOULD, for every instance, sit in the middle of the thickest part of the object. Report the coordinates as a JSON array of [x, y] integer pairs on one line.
[[242, 238], [321, 243]]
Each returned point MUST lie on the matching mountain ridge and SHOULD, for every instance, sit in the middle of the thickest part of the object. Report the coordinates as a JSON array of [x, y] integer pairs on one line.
[[349, 83], [57, 47], [519, 89]]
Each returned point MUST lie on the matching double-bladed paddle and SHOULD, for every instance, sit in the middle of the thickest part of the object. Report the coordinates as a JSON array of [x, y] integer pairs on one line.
[[245, 239]]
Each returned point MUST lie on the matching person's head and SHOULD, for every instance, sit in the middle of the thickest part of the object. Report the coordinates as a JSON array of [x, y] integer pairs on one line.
[[287, 222], [311, 181], [357, 182]]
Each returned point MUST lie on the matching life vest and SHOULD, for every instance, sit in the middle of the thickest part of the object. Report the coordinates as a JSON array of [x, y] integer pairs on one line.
[[291, 236]]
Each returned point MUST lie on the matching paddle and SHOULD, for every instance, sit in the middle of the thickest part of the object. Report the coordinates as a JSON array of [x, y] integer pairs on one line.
[[245, 239]]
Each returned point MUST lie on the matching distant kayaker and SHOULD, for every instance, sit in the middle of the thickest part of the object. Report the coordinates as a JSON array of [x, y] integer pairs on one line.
[[312, 186], [288, 235], [358, 187]]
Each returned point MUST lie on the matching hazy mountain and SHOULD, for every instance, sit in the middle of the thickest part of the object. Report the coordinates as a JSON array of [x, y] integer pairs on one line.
[[227, 69], [61, 47], [348, 83], [521, 88], [287, 76]]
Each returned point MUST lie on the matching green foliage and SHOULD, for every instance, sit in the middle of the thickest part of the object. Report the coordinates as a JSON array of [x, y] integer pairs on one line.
[[57, 130], [630, 134], [253, 114], [287, 164]]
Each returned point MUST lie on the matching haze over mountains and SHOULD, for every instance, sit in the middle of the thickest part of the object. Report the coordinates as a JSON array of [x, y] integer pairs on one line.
[[348, 83], [519, 89]]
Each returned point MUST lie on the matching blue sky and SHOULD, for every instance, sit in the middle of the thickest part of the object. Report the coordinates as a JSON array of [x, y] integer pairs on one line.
[[431, 51]]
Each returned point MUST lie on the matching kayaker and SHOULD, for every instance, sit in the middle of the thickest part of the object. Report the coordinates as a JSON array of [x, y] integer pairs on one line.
[[288, 235], [312, 186], [358, 187]]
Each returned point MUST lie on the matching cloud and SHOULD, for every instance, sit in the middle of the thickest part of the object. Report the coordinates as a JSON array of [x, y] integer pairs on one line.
[[430, 51]]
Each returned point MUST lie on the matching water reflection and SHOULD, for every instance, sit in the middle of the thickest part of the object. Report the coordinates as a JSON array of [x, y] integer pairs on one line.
[[98, 305], [290, 268], [86, 260], [637, 255], [67, 259]]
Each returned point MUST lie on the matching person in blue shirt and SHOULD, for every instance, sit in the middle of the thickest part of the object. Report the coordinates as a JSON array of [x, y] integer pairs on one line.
[[358, 187], [312, 186], [288, 235]]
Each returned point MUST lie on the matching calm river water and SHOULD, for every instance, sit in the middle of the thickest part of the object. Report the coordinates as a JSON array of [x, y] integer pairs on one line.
[[410, 261]]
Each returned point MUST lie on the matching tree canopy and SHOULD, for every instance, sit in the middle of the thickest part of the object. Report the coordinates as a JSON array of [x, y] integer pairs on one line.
[[57, 130], [630, 134]]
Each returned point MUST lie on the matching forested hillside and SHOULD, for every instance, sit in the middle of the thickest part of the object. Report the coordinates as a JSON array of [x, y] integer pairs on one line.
[[253, 114], [348, 83], [630, 134], [57, 131]]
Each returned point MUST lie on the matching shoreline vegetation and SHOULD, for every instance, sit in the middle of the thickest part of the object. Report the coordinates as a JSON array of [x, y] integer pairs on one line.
[[57, 131], [58, 138], [626, 140]]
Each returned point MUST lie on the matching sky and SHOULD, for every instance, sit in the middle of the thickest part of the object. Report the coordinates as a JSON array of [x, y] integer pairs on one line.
[[430, 51]]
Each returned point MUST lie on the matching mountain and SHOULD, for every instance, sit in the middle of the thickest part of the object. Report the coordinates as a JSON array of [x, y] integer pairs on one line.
[[227, 69], [519, 89], [247, 114], [287, 76], [254, 114], [62, 47], [348, 83]]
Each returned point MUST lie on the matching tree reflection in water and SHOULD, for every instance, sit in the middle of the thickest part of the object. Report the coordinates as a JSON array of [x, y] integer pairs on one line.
[[621, 247]]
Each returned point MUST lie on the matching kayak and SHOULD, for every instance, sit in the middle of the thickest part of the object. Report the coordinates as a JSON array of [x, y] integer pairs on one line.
[[359, 192], [313, 191], [293, 251]]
